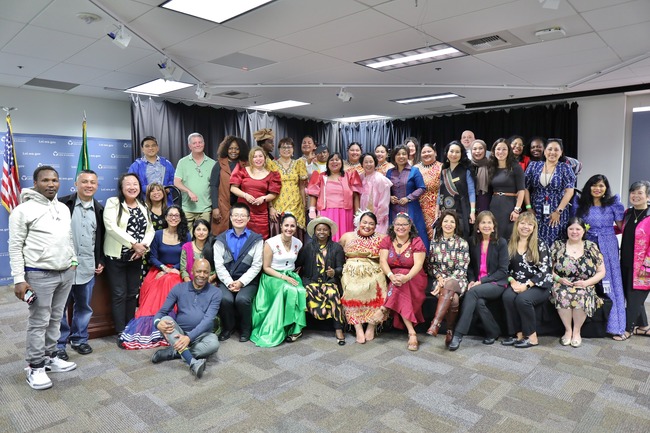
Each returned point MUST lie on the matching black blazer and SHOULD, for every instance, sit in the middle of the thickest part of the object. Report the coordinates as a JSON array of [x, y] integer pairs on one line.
[[307, 261], [497, 262], [69, 201]]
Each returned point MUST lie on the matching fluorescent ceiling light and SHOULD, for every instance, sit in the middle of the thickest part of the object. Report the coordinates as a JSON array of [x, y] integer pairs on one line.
[[217, 11], [365, 118], [640, 109], [418, 56], [158, 87], [279, 105], [426, 98]]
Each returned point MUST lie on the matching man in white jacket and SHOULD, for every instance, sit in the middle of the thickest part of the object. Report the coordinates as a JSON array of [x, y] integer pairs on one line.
[[43, 260]]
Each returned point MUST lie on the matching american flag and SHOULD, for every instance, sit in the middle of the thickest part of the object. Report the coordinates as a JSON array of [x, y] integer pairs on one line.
[[10, 180]]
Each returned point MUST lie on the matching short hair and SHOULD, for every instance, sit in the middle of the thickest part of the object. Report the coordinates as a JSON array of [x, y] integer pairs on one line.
[[286, 140], [372, 155], [437, 227], [222, 150], [580, 222], [640, 184], [327, 164], [148, 138], [240, 205], [355, 143], [88, 171], [192, 135], [44, 168], [398, 149]]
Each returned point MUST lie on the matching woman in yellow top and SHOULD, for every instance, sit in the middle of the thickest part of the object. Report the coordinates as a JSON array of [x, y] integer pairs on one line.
[[292, 195]]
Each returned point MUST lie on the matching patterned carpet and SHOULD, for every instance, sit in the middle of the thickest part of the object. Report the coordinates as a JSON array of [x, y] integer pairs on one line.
[[314, 385]]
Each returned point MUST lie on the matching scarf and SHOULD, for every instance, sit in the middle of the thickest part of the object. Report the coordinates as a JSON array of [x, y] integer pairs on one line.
[[482, 175]]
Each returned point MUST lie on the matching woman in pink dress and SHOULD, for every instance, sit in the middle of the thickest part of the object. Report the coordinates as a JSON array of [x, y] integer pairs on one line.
[[256, 186], [401, 257], [335, 194], [376, 192]]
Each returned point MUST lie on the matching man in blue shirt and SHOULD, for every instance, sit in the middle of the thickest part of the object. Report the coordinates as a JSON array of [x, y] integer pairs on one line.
[[238, 262], [152, 167], [190, 335]]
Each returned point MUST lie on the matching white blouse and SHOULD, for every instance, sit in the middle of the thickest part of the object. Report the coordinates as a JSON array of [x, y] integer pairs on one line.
[[284, 260]]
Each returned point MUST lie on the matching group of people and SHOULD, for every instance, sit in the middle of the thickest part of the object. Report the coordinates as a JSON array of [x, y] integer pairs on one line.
[[259, 240]]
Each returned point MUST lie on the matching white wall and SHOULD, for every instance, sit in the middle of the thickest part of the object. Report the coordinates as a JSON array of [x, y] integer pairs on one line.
[[60, 114]]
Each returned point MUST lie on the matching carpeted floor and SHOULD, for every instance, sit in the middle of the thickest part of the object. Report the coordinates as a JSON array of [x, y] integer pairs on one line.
[[314, 385]]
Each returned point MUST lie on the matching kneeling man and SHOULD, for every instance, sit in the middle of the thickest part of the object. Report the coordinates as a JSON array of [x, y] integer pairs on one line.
[[190, 335]]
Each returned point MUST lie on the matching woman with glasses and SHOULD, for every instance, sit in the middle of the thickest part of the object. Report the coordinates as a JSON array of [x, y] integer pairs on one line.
[[256, 186], [140, 333], [293, 174], [550, 184], [519, 151], [232, 152], [401, 257]]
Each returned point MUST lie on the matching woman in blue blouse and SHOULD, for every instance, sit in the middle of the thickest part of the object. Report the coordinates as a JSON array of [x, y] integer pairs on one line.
[[164, 274], [550, 185]]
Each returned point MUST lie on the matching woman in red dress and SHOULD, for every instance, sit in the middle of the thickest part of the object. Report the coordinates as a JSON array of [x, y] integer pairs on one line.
[[401, 257], [256, 186]]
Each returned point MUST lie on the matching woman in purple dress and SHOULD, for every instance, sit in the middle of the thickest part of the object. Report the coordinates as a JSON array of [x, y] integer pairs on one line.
[[601, 211]]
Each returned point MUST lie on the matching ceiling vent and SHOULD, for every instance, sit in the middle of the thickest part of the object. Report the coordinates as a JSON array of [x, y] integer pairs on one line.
[[234, 94], [51, 84], [489, 42]]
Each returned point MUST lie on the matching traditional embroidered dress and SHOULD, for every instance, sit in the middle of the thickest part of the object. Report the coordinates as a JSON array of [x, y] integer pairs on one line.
[[429, 199]]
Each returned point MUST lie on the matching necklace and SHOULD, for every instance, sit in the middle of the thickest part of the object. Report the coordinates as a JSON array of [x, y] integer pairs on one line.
[[636, 217], [400, 245]]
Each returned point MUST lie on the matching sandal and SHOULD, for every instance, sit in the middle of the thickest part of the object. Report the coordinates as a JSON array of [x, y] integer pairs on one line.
[[413, 347], [640, 331], [293, 337], [624, 336]]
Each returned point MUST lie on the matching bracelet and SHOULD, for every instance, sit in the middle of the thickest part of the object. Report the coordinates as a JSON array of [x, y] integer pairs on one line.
[[510, 279], [312, 208], [517, 209], [472, 210], [528, 206], [390, 274], [156, 322], [74, 263], [556, 278]]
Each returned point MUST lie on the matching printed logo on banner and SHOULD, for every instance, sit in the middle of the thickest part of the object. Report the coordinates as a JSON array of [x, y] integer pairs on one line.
[[115, 156], [62, 154]]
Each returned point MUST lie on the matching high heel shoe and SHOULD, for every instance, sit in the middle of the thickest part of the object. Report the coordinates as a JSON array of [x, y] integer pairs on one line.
[[442, 308], [434, 328]]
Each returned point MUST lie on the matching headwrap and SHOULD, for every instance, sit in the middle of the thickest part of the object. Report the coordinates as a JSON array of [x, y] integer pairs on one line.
[[263, 134]]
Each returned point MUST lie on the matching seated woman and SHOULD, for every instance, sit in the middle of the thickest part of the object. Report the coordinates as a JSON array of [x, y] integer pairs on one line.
[[321, 261], [279, 307], [448, 261], [577, 267], [193, 250], [164, 274], [487, 273], [364, 284], [529, 282], [401, 257]]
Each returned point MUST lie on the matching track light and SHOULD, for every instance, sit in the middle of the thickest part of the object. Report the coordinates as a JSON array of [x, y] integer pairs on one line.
[[120, 37], [344, 95], [169, 70], [201, 93]]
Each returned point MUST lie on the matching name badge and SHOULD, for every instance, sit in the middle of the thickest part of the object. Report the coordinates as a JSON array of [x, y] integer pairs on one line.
[[456, 179], [547, 209]]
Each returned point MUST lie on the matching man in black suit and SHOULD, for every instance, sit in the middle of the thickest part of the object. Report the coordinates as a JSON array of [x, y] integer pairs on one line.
[[88, 236]]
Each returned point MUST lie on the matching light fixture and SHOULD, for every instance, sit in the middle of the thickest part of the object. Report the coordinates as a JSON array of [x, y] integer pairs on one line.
[[550, 4], [158, 87], [417, 99], [120, 37], [215, 11], [418, 56], [550, 33], [169, 70], [200, 92], [640, 109], [344, 95], [365, 118], [279, 105]]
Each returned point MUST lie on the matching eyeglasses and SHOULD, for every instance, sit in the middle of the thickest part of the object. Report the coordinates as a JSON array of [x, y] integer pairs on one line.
[[402, 225], [174, 216], [286, 147], [198, 170], [239, 216]]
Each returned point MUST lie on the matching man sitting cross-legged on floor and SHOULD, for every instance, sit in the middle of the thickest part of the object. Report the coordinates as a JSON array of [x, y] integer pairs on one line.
[[190, 335]]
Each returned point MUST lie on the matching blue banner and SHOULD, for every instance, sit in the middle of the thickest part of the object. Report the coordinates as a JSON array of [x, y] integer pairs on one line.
[[109, 158]]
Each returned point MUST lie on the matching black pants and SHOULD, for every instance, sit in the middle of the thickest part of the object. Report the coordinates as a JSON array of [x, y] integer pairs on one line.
[[124, 279], [520, 309], [475, 301], [635, 305], [627, 274], [239, 303]]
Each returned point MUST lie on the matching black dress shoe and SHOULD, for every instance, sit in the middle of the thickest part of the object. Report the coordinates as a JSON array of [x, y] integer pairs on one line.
[[490, 340], [82, 349], [455, 342], [244, 338], [225, 335], [510, 341], [525, 344], [161, 355], [62, 354]]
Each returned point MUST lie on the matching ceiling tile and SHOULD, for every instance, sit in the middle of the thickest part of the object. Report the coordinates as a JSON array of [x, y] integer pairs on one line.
[[23, 11], [61, 15], [588, 5], [47, 44], [630, 41], [104, 54], [15, 64], [627, 14], [72, 73], [149, 25], [9, 29], [209, 45]]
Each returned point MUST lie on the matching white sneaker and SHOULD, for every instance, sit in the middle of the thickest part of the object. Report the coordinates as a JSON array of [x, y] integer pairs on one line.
[[37, 378], [57, 365]]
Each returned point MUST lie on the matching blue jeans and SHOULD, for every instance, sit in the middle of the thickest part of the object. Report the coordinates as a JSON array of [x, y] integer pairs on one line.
[[77, 331]]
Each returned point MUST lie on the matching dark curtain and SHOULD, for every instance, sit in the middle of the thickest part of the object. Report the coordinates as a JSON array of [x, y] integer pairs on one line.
[[171, 123]]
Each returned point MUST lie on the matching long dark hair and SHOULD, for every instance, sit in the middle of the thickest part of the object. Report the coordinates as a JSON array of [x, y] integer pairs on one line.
[[586, 200], [182, 230], [222, 150], [437, 226], [413, 233], [120, 194], [196, 224], [415, 141], [559, 142], [580, 222], [493, 163], [464, 160], [327, 164], [478, 236]]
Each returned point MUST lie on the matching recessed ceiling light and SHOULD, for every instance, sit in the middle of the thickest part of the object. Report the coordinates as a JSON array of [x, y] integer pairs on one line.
[[278, 105], [418, 56], [158, 87], [365, 118], [640, 109], [218, 11], [426, 98]]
